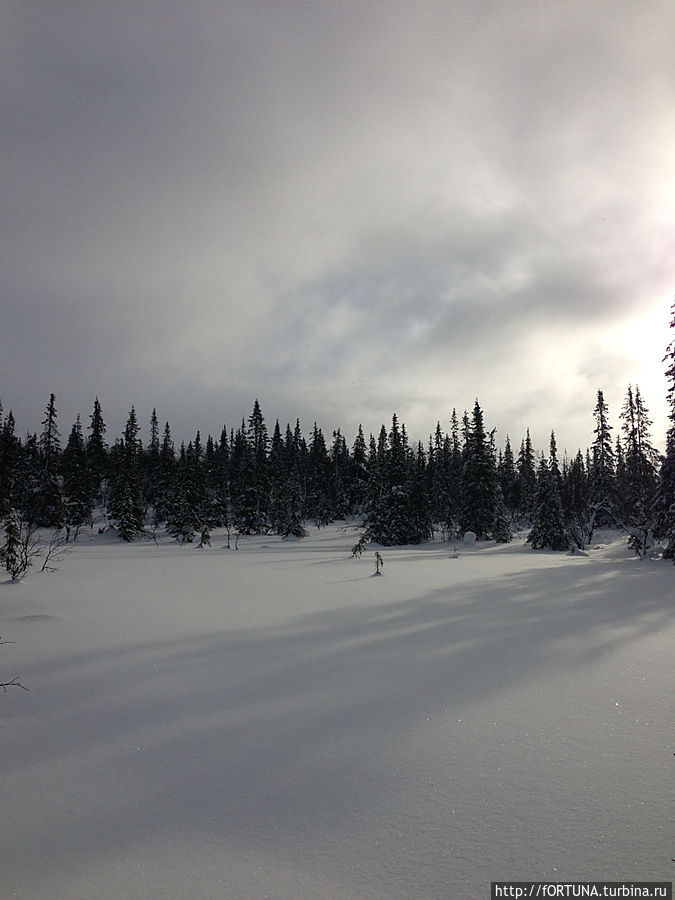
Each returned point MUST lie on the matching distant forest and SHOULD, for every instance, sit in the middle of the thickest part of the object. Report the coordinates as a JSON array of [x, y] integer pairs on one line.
[[251, 481]]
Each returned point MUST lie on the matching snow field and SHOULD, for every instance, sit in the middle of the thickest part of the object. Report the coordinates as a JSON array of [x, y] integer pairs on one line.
[[277, 722]]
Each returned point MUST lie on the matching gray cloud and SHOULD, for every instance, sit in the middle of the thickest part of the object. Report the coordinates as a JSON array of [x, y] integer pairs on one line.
[[343, 209]]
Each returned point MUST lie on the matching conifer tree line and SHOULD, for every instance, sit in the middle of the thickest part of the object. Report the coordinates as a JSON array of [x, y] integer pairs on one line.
[[249, 481]]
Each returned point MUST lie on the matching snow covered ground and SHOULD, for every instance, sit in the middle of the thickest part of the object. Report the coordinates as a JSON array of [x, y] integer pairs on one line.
[[278, 722]]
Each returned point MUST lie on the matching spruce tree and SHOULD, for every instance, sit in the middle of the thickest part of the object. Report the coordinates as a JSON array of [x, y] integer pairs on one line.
[[664, 503], [358, 473], [77, 484], [257, 438], [501, 527], [245, 491], [637, 472], [26, 483], [97, 452], [50, 446], [553, 464], [285, 461], [192, 509], [221, 476], [317, 498], [548, 524], [575, 496], [603, 486], [527, 478], [285, 495], [181, 511], [579, 485], [48, 508], [338, 500], [439, 467], [376, 524], [508, 478], [164, 486], [206, 509], [479, 479], [395, 516], [292, 524], [151, 466], [297, 450], [397, 507], [210, 463], [384, 522], [13, 551], [455, 465], [277, 475], [10, 455], [623, 487], [421, 520], [125, 504]]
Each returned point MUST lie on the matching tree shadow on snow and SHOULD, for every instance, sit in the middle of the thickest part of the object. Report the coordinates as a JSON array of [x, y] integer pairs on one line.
[[273, 735]]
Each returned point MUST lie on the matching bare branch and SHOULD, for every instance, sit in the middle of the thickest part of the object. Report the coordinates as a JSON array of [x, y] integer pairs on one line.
[[13, 683], [55, 551]]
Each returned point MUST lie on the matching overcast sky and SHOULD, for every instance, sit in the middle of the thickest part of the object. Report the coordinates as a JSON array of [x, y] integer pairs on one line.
[[346, 208]]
